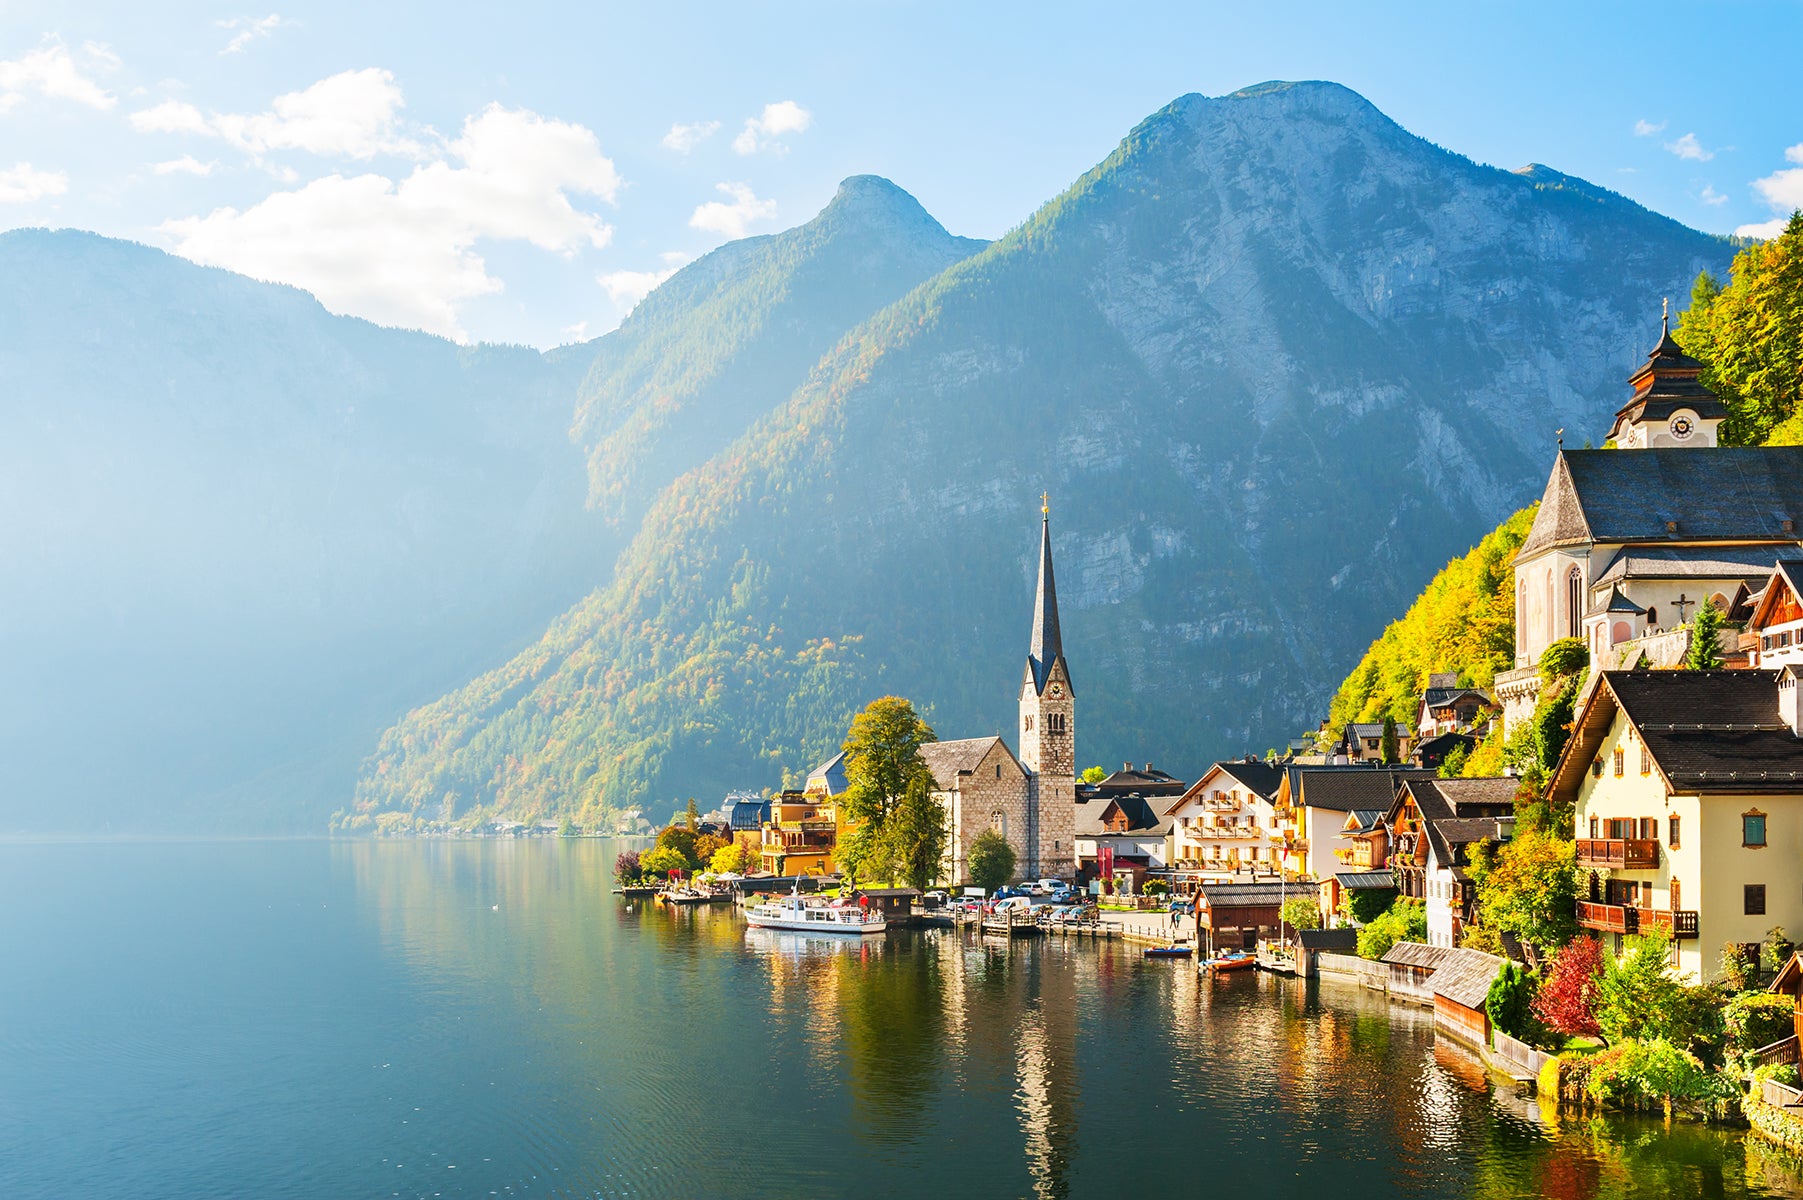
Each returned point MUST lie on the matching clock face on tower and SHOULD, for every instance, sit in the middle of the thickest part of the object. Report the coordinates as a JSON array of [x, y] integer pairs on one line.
[[1682, 426], [1056, 690]]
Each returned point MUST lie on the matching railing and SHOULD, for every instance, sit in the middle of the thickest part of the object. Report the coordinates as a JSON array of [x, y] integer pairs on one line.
[[1625, 854], [1608, 918], [1778, 1094], [1680, 924], [1782, 1051]]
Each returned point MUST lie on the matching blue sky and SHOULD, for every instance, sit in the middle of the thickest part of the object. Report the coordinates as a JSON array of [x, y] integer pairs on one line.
[[519, 174]]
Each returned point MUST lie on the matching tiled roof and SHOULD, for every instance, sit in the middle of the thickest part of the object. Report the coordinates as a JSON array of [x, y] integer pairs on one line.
[[1328, 939], [1142, 818], [946, 759], [1615, 602], [1479, 797], [1262, 777], [1247, 895], [1738, 493], [1367, 818], [1451, 835]]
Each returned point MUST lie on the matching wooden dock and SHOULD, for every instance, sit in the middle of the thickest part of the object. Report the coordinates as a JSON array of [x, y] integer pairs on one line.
[[1012, 924]]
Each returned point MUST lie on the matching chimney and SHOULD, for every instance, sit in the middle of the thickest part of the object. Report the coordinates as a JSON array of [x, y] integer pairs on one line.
[[1148, 768], [1788, 709], [1126, 766]]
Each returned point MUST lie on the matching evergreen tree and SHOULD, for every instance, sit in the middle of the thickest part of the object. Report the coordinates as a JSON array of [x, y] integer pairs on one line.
[[1749, 338], [1391, 748], [1705, 653], [692, 815]]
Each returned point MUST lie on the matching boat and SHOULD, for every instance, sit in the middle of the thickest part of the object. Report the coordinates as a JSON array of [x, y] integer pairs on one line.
[[1167, 951], [792, 912], [686, 895], [1238, 960], [638, 890]]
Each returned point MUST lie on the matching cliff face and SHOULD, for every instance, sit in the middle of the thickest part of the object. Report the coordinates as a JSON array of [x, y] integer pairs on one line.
[[1275, 360]]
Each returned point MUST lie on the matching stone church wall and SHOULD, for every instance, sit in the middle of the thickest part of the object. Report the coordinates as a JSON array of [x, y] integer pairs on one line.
[[980, 798]]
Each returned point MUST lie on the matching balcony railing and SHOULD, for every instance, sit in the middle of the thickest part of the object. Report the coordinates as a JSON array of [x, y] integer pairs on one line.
[[1623, 918], [1625, 854]]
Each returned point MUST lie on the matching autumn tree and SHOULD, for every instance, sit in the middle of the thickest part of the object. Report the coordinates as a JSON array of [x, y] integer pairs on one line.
[[662, 860], [734, 858], [706, 846], [691, 815], [681, 840], [626, 867], [882, 757], [1749, 338], [1528, 886], [1566, 1001]]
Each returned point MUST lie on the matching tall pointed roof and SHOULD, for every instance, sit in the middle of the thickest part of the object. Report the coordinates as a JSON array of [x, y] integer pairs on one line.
[[1667, 381], [1047, 646]]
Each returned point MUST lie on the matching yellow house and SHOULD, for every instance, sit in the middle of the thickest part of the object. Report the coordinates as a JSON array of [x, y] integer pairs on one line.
[[1688, 792], [801, 835]]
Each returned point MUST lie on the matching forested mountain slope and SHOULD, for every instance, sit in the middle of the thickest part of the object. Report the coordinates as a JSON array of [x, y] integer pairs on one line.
[[1275, 360]]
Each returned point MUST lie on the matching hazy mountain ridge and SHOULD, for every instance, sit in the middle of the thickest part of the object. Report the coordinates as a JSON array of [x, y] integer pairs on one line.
[[1275, 359]]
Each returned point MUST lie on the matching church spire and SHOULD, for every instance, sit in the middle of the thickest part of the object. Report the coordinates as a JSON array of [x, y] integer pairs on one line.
[[1048, 645]]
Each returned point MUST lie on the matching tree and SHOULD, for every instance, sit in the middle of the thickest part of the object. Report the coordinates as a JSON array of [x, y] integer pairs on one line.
[[1391, 748], [1510, 1001], [1404, 921], [566, 827], [1565, 657], [882, 757], [692, 815], [662, 861], [682, 841], [1528, 886], [1639, 996], [1453, 765], [706, 846], [1093, 775], [1301, 912], [734, 858], [990, 861], [627, 868], [1566, 1001], [1749, 338], [1705, 653], [918, 834], [1364, 905]]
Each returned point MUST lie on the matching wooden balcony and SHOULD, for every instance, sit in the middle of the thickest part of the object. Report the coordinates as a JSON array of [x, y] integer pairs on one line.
[[1608, 918], [1622, 918], [1622, 854], [1681, 924]]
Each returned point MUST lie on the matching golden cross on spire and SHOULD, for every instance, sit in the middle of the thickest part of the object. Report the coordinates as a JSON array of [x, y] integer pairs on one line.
[[1045, 504]]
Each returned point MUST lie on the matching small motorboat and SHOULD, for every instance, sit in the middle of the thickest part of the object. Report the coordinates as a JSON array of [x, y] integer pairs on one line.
[[1167, 951], [1238, 960]]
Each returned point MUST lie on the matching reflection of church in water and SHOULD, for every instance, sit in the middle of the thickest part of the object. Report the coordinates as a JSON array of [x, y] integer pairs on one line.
[[1030, 800]]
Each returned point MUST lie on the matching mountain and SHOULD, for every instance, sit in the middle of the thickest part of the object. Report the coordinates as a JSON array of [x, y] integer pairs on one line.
[[730, 337], [1275, 360], [242, 536]]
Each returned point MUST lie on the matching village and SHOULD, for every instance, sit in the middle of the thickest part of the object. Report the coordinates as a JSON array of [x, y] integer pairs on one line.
[[1621, 893]]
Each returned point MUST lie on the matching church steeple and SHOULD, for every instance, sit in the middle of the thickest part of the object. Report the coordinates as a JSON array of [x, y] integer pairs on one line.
[[1670, 406], [1047, 646]]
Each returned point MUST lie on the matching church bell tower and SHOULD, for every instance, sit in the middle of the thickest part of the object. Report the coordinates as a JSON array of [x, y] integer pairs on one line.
[[1048, 728]]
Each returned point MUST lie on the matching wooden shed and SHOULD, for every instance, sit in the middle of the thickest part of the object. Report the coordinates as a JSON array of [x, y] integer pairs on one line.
[[1412, 967], [896, 904], [1236, 915], [1460, 986]]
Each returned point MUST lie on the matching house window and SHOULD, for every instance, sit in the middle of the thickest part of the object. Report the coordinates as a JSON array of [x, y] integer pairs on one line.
[[998, 770], [1649, 829], [1646, 761], [1752, 830], [1671, 839], [1652, 616], [1592, 828], [1753, 904], [1620, 756], [1596, 769]]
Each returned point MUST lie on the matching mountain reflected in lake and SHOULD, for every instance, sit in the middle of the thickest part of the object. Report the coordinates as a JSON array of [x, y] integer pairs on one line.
[[475, 1018]]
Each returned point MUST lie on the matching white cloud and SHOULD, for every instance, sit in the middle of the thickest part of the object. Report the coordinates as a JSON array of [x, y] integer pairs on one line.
[[245, 30], [761, 132], [1687, 147], [732, 220], [50, 71], [684, 138], [627, 288], [22, 183], [1644, 128], [353, 114], [1764, 230], [404, 253], [1711, 196], [103, 55], [171, 116], [187, 164]]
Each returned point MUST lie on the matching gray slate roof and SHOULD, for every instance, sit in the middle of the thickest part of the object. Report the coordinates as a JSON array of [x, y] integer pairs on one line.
[[1418, 954], [1466, 976], [1144, 820], [1261, 777], [1712, 730], [947, 759], [1345, 788], [1328, 939], [1702, 562], [1737, 493], [1359, 881], [1247, 895]]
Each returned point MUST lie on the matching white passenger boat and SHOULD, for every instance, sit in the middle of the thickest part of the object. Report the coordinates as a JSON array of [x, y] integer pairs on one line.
[[793, 912]]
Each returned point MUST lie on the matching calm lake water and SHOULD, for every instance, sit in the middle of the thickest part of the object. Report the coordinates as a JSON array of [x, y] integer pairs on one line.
[[316, 1019]]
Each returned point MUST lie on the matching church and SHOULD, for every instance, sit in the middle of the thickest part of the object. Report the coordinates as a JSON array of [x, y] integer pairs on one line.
[[1032, 799], [1629, 542]]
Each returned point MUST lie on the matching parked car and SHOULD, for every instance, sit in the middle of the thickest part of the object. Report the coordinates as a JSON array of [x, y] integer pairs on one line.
[[932, 900], [1004, 893]]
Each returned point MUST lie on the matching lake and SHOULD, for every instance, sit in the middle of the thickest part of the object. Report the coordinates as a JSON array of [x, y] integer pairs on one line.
[[467, 1019]]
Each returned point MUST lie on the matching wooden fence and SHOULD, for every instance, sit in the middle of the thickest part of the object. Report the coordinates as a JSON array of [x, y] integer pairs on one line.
[[1516, 1053], [1779, 1095], [1782, 1051], [1352, 967]]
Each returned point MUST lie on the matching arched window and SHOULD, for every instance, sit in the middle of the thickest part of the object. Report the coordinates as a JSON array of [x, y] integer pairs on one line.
[[998, 821], [1652, 616], [1623, 632], [1574, 603], [1721, 603]]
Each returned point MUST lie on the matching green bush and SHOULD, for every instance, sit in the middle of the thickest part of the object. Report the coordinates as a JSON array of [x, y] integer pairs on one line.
[[1640, 1074], [1154, 887], [1510, 1002], [1404, 921], [1567, 656], [1756, 1019]]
